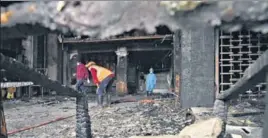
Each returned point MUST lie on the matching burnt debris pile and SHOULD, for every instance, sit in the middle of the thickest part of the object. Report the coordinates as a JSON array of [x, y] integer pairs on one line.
[[139, 118]]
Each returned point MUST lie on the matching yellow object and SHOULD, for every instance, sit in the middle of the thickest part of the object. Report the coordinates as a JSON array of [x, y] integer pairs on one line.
[[90, 64], [5, 16], [60, 5], [10, 95], [102, 72], [11, 91]]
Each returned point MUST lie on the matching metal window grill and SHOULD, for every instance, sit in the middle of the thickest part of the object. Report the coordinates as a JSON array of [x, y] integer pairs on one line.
[[237, 50]]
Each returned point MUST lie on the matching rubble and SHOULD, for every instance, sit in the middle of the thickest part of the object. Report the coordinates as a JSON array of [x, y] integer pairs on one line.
[[211, 128], [122, 120], [147, 117], [140, 119], [246, 120]]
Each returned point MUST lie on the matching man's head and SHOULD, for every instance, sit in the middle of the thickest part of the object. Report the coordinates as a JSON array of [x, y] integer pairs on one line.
[[81, 59], [89, 64], [151, 70]]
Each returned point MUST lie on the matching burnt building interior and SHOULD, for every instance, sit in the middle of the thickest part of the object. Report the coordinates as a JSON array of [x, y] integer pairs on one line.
[[198, 65], [234, 52], [144, 51]]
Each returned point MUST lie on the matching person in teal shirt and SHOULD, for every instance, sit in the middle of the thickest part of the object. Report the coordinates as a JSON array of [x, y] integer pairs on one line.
[[150, 82]]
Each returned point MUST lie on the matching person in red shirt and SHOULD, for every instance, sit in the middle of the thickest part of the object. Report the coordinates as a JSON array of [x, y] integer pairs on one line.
[[81, 76]]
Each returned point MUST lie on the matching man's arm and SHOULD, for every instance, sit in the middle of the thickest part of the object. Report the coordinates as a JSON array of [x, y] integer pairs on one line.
[[94, 76], [86, 75]]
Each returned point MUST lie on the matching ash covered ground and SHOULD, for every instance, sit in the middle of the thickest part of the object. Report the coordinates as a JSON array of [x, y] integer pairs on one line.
[[121, 120]]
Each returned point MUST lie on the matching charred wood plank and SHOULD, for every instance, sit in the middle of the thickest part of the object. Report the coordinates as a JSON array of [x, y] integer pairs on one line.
[[254, 74], [177, 64], [18, 68], [3, 129]]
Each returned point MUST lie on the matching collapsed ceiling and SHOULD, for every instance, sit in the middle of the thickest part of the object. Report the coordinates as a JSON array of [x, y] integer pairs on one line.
[[103, 19]]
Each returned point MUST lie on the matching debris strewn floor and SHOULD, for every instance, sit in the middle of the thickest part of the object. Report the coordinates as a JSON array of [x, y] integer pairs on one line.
[[118, 121], [121, 120]]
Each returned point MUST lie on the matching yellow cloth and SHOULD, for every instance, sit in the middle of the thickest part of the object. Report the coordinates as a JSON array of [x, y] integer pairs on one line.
[[102, 72], [10, 95], [11, 91]]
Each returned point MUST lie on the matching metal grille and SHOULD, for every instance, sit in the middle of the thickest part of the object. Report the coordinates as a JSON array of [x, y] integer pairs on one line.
[[237, 51]]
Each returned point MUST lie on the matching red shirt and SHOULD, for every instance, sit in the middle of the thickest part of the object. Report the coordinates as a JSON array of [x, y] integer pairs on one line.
[[81, 72], [94, 76]]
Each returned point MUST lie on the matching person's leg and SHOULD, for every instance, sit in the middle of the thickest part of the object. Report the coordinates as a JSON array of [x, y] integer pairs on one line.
[[109, 91], [100, 92], [79, 83]]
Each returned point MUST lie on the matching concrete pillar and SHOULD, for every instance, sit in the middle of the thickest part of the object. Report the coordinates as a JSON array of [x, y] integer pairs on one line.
[[65, 68], [28, 45], [197, 66], [52, 56], [121, 71]]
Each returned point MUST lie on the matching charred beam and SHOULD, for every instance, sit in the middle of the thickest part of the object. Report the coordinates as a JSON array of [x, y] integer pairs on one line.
[[11, 65], [177, 63], [254, 74], [3, 129]]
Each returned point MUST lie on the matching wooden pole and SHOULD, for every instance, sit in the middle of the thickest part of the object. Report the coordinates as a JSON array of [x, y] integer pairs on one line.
[[3, 129]]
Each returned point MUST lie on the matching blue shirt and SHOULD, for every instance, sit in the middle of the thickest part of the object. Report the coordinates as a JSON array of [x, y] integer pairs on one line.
[[150, 82]]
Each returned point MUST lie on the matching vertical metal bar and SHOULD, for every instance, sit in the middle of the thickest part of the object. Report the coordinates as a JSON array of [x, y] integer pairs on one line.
[[217, 70], [265, 128], [221, 63]]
